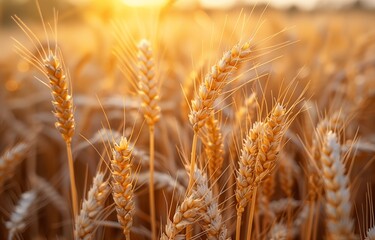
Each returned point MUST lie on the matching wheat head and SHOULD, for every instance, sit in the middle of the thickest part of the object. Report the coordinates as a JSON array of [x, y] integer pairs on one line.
[[92, 207], [203, 103], [122, 188], [337, 193], [148, 84]]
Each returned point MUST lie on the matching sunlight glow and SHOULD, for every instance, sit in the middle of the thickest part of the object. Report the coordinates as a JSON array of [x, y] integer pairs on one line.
[[145, 3]]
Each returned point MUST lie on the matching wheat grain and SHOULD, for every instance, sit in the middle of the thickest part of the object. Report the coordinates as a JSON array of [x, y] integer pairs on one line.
[[148, 84], [92, 207], [62, 100], [210, 214], [213, 83], [185, 214], [269, 145], [122, 186], [246, 172], [337, 193]]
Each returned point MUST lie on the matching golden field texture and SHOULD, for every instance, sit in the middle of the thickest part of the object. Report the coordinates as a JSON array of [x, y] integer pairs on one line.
[[164, 123]]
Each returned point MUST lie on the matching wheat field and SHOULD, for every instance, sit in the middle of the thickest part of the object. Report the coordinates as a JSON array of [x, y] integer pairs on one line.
[[167, 123]]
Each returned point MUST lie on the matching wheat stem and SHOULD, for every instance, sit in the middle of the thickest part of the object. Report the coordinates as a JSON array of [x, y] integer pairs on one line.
[[192, 162], [238, 226], [149, 93], [310, 220], [251, 217], [151, 188], [73, 187]]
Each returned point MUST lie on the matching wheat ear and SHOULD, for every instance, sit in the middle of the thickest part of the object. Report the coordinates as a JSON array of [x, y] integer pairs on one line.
[[185, 214], [246, 172], [149, 92], [214, 148], [17, 221], [258, 158], [273, 130], [10, 160], [50, 64], [202, 106], [63, 111], [337, 193], [148, 87], [62, 100], [92, 207], [210, 214], [122, 188]]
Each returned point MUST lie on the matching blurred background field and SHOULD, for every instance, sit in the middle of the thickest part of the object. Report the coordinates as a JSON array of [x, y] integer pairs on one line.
[[330, 48]]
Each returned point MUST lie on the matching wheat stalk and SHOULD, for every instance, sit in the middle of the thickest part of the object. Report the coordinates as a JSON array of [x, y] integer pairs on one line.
[[11, 159], [92, 207], [149, 92], [246, 172], [202, 106], [51, 65], [337, 193], [63, 105], [257, 160], [17, 221], [122, 188]]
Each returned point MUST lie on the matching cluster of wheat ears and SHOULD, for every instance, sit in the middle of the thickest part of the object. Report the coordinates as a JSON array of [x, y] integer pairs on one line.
[[228, 153]]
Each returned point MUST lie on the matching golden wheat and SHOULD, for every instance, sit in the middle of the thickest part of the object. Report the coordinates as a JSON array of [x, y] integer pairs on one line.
[[122, 185], [92, 207], [240, 126]]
